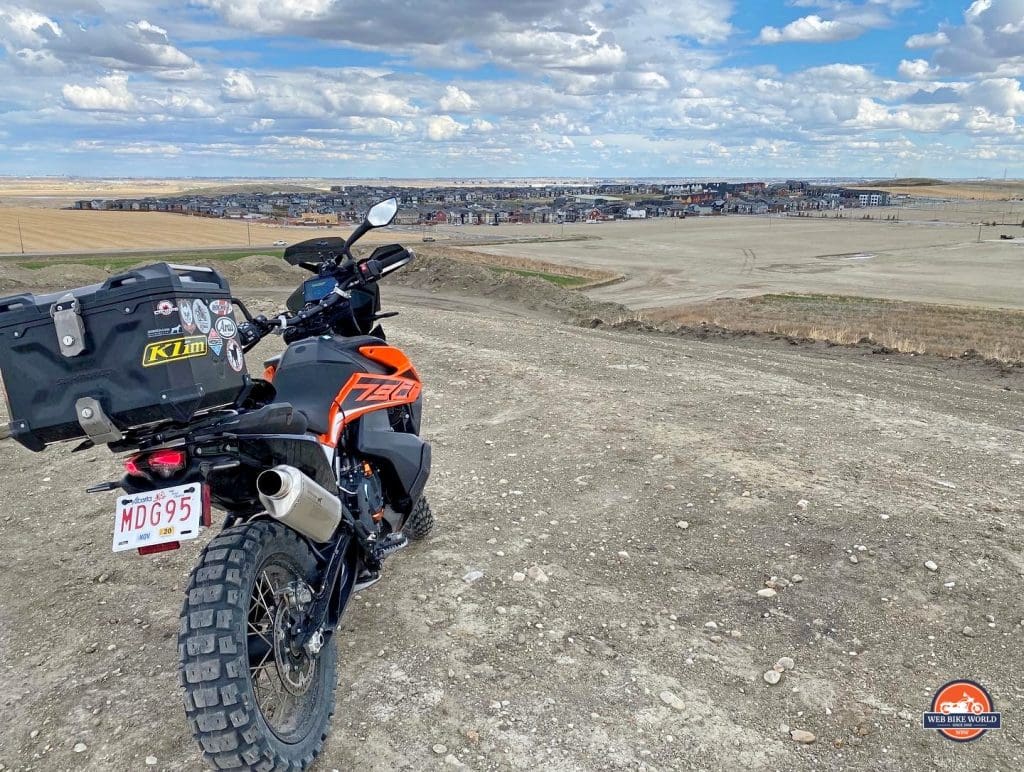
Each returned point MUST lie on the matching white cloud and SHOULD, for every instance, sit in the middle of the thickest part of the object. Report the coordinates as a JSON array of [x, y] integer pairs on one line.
[[379, 127], [917, 69], [990, 40], [810, 29], [443, 127], [999, 96], [111, 95], [647, 79], [455, 100], [304, 143], [237, 86], [187, 106], [23, 27], [926, 40], [139, 148]]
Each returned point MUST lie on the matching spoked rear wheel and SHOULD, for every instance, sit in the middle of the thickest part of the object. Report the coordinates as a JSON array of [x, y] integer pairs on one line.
[[255, 699]]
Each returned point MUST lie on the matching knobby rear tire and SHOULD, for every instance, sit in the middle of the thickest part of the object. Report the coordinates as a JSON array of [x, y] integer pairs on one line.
[[220, 701]]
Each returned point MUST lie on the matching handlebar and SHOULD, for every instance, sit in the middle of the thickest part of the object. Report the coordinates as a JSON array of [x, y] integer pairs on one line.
[[358, 274]]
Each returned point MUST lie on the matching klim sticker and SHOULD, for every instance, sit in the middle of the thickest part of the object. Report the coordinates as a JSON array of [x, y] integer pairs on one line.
[[166, 351]]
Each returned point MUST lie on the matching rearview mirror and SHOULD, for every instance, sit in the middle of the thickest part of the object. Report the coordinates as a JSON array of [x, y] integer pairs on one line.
[[382, 213]]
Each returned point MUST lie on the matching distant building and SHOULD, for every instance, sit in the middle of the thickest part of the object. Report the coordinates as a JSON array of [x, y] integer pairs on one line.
[[636, 214], [319, 218], [870, 197]]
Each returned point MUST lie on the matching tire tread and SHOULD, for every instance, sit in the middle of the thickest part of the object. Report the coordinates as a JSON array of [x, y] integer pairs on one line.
[[420, 522], [213, 671]]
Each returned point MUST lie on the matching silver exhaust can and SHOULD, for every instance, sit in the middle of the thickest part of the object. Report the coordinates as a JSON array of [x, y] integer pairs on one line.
[[296, 500]]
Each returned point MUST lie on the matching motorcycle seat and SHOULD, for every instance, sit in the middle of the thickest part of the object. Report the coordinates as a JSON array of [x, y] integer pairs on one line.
[[275, 418]]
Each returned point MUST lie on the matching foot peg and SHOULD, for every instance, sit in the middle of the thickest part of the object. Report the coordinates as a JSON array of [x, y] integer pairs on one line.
[[391, 544]]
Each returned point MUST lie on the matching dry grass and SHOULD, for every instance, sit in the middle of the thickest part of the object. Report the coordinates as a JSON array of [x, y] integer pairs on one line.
[[903, 326], [585, 276], [48, 231], [981, 191]]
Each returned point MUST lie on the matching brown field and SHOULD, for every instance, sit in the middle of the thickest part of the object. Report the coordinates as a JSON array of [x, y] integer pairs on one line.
[[21, 191], [589, 276], [70, 231], [60, 191], [981, 191], [921, 328]]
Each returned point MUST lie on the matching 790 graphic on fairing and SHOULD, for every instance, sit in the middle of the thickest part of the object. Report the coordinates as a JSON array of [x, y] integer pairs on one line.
[[318, 465]]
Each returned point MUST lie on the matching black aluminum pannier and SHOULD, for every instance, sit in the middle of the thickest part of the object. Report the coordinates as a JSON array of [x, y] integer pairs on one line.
[[154, 344]]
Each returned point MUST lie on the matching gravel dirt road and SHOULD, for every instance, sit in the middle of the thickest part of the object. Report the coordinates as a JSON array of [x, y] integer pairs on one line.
[[648, 488]]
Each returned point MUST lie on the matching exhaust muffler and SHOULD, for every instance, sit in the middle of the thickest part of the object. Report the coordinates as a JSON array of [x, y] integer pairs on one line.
[[294, 499]]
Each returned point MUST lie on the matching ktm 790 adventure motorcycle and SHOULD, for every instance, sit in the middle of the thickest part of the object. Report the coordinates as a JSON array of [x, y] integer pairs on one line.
[[318, 466]]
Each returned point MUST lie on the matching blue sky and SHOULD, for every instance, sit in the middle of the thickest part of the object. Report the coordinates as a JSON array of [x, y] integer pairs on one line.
[[451, 88]]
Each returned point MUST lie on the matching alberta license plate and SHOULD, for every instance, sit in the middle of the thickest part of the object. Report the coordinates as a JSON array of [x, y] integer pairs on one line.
[[158, 517]]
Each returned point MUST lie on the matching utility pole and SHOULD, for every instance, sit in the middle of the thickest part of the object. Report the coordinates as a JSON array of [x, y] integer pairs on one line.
[[20, 237], [248, 231], [979, 233]]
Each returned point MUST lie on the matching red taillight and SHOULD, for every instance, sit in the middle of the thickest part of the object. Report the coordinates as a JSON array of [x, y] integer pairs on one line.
[[162, 463], [166, 461]]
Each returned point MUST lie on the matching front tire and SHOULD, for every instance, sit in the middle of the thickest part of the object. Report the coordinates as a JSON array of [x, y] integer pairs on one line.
[[420, 521], [231, 648]]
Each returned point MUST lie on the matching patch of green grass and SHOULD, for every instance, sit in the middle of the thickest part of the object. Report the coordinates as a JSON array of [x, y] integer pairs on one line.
[[121, 261], [561, 280], [831, 300]]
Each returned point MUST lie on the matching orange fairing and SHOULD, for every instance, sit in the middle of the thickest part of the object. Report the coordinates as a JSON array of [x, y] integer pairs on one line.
[[392, 357], [365, 392]]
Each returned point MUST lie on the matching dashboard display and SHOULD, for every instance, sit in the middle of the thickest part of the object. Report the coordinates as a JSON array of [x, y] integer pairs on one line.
[[315, 290]]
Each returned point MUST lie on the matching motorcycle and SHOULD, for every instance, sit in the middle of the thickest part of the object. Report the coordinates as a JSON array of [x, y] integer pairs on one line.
[[319, 468]]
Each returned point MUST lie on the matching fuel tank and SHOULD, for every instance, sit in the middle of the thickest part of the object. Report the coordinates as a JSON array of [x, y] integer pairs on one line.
[[311, 373]]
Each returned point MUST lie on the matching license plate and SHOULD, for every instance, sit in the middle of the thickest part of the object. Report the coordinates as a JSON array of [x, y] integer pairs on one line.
[[158, 517]]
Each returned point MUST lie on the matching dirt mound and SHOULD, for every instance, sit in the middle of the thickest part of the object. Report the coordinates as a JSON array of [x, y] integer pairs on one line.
[[261, 271], [434, 272], [52, 277]]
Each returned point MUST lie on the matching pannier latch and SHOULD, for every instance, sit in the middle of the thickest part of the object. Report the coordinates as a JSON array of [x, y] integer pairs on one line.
[[67, 320], [95, 423]]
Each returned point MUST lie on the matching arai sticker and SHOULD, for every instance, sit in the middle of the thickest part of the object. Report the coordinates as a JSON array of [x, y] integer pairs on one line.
[[164, 308], [202, 315], [226, 326], [216, 342], [220, 307], [187, 319], [234, 354]]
